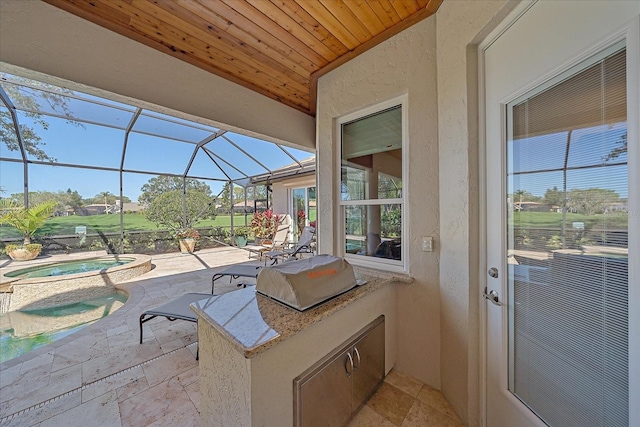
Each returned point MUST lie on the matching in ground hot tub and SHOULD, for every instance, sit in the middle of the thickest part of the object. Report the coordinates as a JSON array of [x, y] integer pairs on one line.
[[30, 292]]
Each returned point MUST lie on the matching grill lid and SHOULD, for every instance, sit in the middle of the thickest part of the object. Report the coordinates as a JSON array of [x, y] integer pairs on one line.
[[303, 283]]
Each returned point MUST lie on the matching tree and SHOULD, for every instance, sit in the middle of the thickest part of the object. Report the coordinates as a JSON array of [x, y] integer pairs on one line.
[[105, 196], [72, 199], [35, 197], [225, 198], [238, 193], [257, 193], [618, 151], [591, 201], [553, 197], [164, 184], [524, 196], [389, 187], [167, 209], [33, 142]]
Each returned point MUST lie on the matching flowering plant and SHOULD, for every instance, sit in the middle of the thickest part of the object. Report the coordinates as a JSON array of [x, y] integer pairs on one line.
[[265, 224], [187, 233]]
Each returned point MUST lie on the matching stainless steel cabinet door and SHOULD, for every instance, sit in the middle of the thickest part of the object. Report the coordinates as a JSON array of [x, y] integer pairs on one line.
[[327, 394], [368, 361]]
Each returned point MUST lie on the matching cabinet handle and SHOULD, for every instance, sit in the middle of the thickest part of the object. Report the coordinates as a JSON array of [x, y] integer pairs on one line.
[[346, 365], [357, 354]]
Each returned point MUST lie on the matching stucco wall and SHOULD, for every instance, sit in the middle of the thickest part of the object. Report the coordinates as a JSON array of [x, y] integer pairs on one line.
[[40, 37], [461, 26], [404, 64]]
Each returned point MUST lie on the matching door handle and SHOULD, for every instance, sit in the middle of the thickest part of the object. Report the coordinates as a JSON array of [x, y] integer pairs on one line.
[[492, 296], [356, 353], [348, 363]]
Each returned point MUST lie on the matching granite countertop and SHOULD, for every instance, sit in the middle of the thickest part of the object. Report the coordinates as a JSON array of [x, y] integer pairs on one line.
[[255, 323]]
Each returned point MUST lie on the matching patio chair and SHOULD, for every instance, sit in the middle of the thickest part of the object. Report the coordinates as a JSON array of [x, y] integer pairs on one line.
[[303, 246], [279, 241], [176, 309]]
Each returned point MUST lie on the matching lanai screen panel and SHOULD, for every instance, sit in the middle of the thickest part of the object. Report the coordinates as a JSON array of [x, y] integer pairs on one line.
[[164, 126], [74, 106], [77, 143], [73, 128], [153, 154], [8, 147]]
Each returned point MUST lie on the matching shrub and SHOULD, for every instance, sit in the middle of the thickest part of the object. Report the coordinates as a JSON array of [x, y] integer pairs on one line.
[[265, 224]]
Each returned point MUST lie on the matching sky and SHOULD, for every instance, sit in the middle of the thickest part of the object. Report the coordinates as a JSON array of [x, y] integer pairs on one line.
[[543, 157]]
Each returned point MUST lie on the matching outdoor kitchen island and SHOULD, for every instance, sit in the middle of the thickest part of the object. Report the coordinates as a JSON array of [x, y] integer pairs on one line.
[[252, 348]]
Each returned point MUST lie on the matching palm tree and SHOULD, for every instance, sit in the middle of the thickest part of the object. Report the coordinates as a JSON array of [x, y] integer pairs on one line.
[[105, 195], [26, 220]]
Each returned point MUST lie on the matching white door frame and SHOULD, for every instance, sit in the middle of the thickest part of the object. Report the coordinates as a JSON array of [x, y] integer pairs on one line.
[[631, 33]]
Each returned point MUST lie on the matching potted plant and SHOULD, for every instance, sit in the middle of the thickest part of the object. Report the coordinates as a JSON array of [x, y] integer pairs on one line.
[[241, 235], [27, 221], [264, 225], [187, 238]]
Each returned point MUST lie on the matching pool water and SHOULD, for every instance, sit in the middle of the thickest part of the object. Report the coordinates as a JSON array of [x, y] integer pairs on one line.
[[25, 330], [68, 267]]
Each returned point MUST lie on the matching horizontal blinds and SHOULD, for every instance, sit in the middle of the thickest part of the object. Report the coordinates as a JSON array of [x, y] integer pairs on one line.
[[568, 233], [595, 96]]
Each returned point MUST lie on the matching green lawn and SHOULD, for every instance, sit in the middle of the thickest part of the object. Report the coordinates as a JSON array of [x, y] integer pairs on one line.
[[66, 225], [554, 220], [60, 226]]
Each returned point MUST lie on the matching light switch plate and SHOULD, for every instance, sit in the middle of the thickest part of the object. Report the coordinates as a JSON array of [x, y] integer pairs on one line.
[[427, 244]]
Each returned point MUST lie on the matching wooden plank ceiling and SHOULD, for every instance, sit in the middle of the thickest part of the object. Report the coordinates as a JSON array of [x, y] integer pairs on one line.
[[278, 48]]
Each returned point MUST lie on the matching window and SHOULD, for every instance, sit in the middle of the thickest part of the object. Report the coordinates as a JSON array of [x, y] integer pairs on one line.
[[371, 186]]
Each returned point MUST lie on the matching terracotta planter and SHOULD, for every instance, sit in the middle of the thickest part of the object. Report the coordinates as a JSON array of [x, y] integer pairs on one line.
[[21, 254], [187, 245]]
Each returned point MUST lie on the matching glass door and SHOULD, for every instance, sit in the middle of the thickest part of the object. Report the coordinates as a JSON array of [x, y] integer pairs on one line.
[[567, 246], [304, 209]]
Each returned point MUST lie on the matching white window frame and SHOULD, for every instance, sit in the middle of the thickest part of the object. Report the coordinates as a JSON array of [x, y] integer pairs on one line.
[[369, 261], [292, 212]]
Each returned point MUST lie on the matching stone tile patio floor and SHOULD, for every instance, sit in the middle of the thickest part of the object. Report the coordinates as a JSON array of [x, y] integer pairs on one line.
[[102, 376]]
